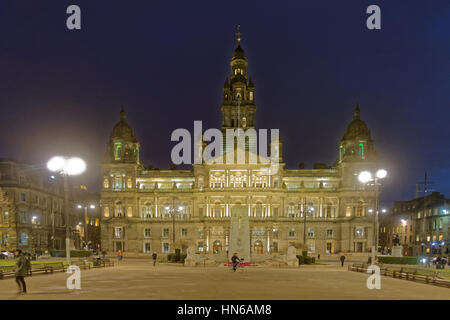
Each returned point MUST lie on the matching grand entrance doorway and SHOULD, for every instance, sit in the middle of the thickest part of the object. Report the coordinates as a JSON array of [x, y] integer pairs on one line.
[[258, 247]]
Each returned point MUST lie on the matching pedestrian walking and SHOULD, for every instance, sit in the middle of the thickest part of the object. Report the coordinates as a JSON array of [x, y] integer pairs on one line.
[[120, 255], [342, 258], [104, 254], [369, 260], [23, 266], [154, 256], [318, 256]]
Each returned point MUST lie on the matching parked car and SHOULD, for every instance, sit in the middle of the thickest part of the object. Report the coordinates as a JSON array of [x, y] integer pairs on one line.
[[5, 254]]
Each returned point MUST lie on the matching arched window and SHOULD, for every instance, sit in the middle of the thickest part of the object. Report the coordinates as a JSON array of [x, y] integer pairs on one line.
[[147, 211], [106, 211], [106, 183], [129, 183], [244, 122]]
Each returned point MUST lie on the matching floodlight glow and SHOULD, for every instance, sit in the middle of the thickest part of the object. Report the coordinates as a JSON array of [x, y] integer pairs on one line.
[[180, 208], [75, 166], [365, 176], [381, 174], [384, 210], [403, 222], [56, 164], [370, 210], [92, 206], [79, 206]]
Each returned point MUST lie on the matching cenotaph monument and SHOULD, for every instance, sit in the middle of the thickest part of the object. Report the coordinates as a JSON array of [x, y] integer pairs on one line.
[[239, 233]]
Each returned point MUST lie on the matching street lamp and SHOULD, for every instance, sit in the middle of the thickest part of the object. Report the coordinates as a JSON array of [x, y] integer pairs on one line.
[[67, 167], [366, 177], [85, 220], [172, 211], [306, 210]]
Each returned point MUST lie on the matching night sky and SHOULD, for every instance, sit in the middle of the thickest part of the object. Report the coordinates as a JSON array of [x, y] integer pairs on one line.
[[166, 61]]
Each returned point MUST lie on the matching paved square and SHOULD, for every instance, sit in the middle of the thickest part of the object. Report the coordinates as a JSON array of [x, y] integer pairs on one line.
[[138, 279]]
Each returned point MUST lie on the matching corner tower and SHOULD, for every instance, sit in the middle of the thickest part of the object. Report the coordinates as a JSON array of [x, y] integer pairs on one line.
[[123, 146], [356, 144], [356, 151]]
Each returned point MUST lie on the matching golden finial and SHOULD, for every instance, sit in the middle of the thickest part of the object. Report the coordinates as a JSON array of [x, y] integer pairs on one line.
[[238, 34]]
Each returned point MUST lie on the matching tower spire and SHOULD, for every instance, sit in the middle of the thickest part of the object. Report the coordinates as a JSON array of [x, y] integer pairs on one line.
[[238, 34], [356, 114], [122, 113]]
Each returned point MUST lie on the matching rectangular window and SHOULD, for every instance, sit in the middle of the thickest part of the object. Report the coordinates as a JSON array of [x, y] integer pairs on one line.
[[147, 233], [147, 248], [165, 233], [22, 217], [184, 233], [118, 232], [200, 247], [200, 212], [165, 247], [23, 197], [330, 233], [359, 233], [291, 233], [310, 233]]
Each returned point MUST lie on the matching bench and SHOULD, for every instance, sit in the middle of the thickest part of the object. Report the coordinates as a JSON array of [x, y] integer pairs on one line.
[[82, 264], [107, 262], [40, 267], [56, 266], [6, 271]]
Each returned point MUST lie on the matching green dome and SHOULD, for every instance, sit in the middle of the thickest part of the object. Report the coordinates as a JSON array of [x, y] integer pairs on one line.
[[122, 130], [357, 128]]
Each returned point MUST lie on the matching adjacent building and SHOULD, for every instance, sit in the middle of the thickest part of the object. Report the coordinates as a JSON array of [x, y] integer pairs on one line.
[[421, 224], [32, 208], [323, 210]]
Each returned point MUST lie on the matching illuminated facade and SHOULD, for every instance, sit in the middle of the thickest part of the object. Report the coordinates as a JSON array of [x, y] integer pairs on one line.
[[422, 225], [324, 209]]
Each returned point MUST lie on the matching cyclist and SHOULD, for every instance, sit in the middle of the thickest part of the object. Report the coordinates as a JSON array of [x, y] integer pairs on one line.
[[235, 261]]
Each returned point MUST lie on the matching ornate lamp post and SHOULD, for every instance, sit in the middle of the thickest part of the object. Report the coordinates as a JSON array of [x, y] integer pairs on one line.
[[67, 167], [173, 211], [366, 178]]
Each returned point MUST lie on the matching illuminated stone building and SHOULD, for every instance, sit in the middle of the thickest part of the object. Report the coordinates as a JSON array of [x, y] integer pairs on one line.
[[422, 225], [324, 210], [32, 213]]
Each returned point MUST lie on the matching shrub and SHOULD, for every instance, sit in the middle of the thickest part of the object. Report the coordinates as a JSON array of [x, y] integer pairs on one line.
[[399, 260], [304, 253], [176, 257], [73, 253]]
